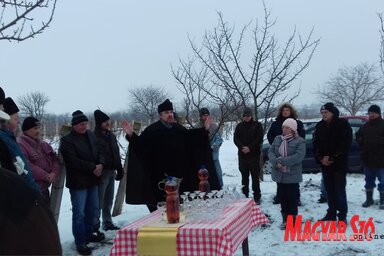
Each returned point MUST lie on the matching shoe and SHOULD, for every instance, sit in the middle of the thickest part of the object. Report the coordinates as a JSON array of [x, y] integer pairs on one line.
[[369, 201], [276, 200], [343, 220], [328, 217], [299, 202], [283, 225], [322, 200], [97, 236], [257, 201], [84, 249], [110, 227]]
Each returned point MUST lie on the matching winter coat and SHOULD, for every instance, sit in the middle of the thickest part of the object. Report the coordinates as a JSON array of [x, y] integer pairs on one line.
[[215, 139], [334, 140], [276, 129], [27, 224], [370, 137], [295, 154], [41, 159], [13, 159], [160, 150], [111, 150], [81, 153], [248, 134]]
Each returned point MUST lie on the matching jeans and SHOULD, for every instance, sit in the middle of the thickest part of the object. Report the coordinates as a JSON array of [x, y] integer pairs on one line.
[[215, 156], [250, 166], [323, 192], [106, 193], [335, 182], [288, 197], [370, 178], [85, 204]]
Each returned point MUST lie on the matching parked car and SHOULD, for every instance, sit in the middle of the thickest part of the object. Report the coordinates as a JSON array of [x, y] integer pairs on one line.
[[309, 163]]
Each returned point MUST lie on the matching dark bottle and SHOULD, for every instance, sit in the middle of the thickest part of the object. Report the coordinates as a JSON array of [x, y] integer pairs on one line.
[[203, 176], [172, 201]]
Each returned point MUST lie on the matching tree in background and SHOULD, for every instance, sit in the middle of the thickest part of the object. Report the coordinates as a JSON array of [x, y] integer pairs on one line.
[[18, 19], [33, 104], [248, 68], [353, 87], [145, 101], [381, 42]]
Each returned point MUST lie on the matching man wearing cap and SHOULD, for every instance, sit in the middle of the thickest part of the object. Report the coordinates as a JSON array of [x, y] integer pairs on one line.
[[113, 170], [215, 140], [371, 140], [84, 162], [41, 158], [165, 147], [331, 143], [248, 138], [11, 156]]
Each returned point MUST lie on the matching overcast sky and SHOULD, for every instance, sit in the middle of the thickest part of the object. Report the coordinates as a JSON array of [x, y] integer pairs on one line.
[[95, 50]]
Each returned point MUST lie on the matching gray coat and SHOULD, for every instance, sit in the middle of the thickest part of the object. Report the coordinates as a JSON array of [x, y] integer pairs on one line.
[[296, 153]]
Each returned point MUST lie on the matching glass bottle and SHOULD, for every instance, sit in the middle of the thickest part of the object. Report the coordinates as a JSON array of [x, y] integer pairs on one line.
[[203, 176], [171, 187]]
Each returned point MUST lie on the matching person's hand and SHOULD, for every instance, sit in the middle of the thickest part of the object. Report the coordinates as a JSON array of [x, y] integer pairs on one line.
[[279, 165], [127, 127], [245, 150], [119, 175], [98, 170], [207, 123], [325, 161], [52, 177]]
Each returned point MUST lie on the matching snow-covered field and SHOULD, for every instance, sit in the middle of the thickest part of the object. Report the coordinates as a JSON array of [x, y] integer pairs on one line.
[[270, 240]]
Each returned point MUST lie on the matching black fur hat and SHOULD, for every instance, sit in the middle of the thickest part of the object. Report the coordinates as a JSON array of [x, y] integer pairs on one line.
[[165, 106]]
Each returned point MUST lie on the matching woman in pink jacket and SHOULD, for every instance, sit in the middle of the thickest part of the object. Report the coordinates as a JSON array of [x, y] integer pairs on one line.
[[41, 158]]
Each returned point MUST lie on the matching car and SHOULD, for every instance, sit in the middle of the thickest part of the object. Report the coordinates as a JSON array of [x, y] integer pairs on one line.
[[309, 163]]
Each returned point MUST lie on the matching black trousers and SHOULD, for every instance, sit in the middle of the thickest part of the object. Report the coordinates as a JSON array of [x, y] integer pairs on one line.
[[246, 167], [278, 192], [335, 183], [288, 197]]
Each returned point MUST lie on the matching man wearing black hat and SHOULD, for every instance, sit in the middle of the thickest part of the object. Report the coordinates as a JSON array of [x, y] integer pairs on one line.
[[11, 156], [165, 147], [42, 160], [331, 143], [371, 140], [248, 138], [111, 152], [84, 162]]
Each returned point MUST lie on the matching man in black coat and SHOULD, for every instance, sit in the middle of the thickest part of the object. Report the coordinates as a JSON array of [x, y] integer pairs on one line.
[[112, 169], [331, 142], [371, 140], [285, 111], [84, 163], [166, 147], [248, 138]]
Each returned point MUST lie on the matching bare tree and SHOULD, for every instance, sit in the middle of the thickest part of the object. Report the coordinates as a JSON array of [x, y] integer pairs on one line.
[[18, 19], [145, 100], [33, 104], [353, 87], [381, 42], [226, 73]]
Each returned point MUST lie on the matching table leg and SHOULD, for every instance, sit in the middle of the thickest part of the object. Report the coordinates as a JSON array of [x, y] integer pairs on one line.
[[245, 247]]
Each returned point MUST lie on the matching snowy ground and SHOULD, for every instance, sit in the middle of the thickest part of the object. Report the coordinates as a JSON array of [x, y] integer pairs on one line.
[[264, 241]]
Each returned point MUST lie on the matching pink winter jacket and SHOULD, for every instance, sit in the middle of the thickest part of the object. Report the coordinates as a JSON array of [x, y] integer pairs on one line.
[[41, 159]]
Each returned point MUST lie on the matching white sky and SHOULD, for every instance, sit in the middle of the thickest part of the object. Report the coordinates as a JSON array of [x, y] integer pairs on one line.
[[95, 50]]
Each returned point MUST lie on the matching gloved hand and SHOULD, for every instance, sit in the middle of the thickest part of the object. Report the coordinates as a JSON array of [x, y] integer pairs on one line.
[[119, 175]]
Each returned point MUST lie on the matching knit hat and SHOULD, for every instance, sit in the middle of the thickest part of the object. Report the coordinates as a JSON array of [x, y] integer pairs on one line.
[[10, 106], [247, 111], [78, 117], [29, 123], [374, 109], [331, 108], [165, 106], [291, 123], [100, 117], [2, 96], [204, 111]]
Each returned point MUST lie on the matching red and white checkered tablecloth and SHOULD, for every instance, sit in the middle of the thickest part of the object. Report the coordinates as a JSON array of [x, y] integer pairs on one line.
[[221, 237]]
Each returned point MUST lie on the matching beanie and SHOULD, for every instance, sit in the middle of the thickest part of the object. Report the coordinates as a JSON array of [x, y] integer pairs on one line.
[[78, 117], [291, 123], [331, 108], [247, 111], [29, 123], [374, 109], [204, 111], [100, 117], [165, 106], [10, 106]]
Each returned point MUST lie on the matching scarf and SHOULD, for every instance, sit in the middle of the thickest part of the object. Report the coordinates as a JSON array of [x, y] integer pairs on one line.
[[283, 149]]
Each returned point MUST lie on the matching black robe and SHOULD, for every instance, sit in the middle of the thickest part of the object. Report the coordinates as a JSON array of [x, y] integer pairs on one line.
[[159, 150]]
